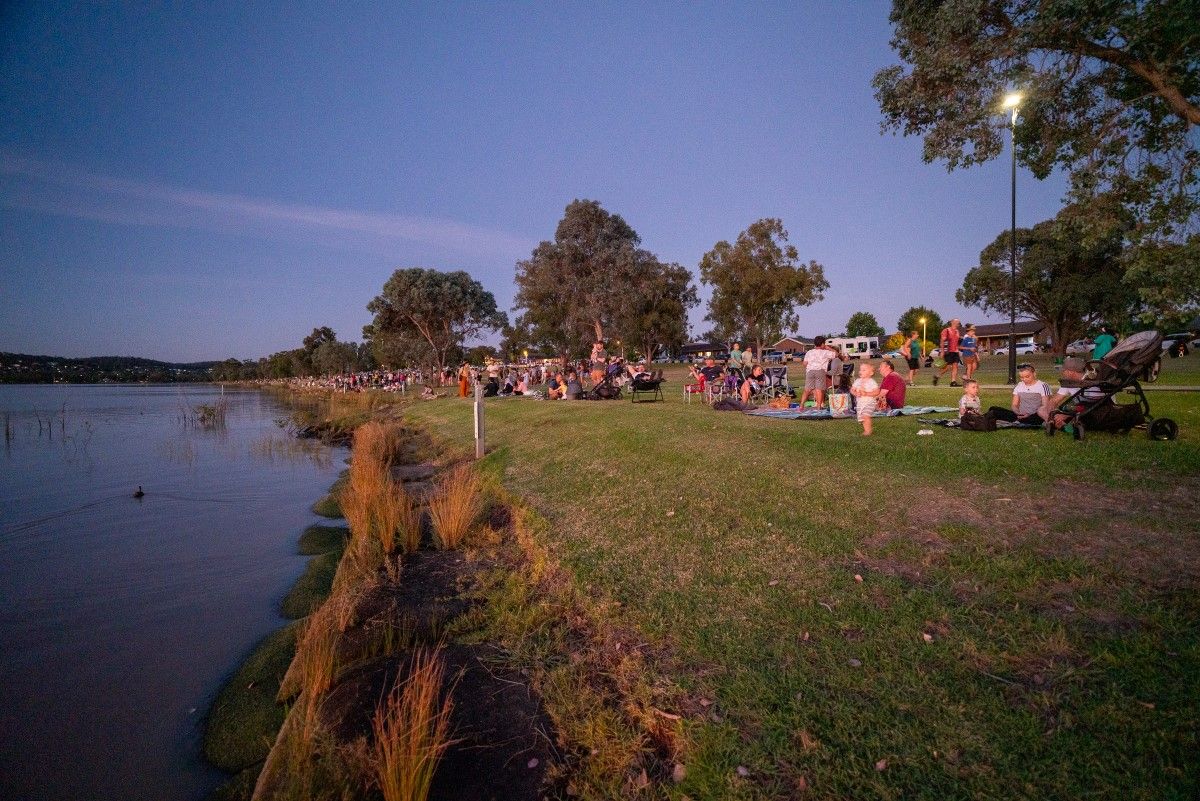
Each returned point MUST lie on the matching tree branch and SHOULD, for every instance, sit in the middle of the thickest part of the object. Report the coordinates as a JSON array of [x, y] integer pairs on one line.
[[1174, 98]]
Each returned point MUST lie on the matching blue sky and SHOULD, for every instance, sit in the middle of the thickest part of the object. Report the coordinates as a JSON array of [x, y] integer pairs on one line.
[[210, 180]]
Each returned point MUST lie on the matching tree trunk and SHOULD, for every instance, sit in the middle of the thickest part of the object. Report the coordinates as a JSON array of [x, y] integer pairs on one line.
[[599, 330]]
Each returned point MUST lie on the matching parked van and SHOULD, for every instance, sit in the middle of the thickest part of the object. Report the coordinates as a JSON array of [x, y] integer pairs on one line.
[[857, 347]]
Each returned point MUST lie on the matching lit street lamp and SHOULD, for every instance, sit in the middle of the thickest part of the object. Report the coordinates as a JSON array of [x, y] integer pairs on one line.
[[924, 336], [1013, 101]]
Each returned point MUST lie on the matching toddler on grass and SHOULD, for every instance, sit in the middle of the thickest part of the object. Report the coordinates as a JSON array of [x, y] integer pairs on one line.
[[866, 391], [969, 402]]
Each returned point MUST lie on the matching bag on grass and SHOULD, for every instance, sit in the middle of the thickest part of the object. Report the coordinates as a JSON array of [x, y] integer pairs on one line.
[[974, 421], [839, 404]]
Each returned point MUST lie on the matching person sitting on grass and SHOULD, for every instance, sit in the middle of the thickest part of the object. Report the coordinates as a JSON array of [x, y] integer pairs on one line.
[[556, 387], [1030, 400], [969, 402], [574, 389], [816, 362], [866, 392], [891, 388], [492, 388], [757, 382]]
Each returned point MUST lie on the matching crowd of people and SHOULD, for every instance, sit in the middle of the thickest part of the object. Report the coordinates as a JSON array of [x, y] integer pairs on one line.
[[572, 382]]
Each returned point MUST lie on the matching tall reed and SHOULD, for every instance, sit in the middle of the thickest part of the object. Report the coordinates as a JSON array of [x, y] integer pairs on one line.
[[455, 505], [374, 503], [412, 730]]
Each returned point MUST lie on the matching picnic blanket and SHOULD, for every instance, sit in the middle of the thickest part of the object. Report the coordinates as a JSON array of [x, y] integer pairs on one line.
[[955, 423], [796, 413]]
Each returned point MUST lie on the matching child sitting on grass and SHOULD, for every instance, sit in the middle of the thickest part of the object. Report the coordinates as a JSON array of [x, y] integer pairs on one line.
[[969, 402], [866, 390]]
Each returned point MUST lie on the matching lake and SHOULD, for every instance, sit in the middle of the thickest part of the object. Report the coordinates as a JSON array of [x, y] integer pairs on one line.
[[121, 617]]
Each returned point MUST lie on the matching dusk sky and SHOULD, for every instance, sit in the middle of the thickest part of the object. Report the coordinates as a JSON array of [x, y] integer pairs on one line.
[[206, 180]]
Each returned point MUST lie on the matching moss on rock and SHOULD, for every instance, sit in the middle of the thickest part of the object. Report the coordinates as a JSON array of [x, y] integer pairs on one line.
[[318, 539]]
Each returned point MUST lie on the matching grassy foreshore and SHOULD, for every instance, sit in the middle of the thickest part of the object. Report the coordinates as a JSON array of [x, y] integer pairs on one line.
[[544, 692], [987, 615], [708, 605]]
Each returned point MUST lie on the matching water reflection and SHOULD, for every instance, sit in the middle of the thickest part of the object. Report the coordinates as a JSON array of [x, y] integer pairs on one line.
[[119, 617]]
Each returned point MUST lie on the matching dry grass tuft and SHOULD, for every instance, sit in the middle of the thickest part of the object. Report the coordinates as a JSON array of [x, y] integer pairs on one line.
[[373, 503], [455, 506], [412, 731]]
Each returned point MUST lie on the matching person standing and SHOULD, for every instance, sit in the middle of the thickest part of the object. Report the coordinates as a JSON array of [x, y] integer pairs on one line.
[[1103, 344], [950, 352], [911, 351], [816, 362], [866, 392], [747, 360], [464, 380], [969, 348], [735, 355], [599, 357]]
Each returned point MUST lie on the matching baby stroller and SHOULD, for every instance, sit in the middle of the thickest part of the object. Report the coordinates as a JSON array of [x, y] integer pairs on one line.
[[608, 388], [1104, 378]]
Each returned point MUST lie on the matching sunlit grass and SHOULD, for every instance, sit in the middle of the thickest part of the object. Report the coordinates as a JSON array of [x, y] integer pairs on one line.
[[412, 730], [455, 505]]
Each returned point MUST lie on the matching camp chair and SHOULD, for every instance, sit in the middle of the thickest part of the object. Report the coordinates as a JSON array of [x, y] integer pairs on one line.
[[647, 386]]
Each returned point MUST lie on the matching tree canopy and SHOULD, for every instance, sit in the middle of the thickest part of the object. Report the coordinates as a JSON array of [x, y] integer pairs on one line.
[[572, 289], [423, 316], [758, 283], [655, 314], [863, 324], [911, 321], [1111, 94], [594, 280], [1064, 279]]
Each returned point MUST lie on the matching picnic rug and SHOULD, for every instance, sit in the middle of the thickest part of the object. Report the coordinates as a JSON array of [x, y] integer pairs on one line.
[[941, 421], [825, 414]]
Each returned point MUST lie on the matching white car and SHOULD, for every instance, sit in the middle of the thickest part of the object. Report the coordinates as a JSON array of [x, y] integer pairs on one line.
[[1023, 349], [1081, 347], [893, 354]]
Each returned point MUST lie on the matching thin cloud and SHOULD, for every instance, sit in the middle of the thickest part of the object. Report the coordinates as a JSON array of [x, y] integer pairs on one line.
[[62, 190]]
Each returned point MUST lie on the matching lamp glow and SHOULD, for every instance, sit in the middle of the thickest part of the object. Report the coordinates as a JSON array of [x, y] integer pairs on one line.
[[1012, 100]]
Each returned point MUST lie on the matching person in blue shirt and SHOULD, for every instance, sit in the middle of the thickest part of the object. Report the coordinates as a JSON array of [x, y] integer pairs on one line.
[[968, 346]]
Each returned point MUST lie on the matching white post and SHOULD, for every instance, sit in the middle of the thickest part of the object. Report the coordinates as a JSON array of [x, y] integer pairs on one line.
[[478, 420]]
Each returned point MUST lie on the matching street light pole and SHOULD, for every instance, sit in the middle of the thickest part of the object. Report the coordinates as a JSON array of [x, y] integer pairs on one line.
[[1013, 101], [924, 336]]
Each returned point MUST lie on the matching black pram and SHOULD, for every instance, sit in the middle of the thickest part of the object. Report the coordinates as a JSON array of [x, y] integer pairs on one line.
[[1104, 378]]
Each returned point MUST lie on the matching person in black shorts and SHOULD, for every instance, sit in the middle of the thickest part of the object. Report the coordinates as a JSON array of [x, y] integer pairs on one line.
[[911, 351], [950, 352]]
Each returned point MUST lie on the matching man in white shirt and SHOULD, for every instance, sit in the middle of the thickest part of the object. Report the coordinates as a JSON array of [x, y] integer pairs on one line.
[[816, 362]]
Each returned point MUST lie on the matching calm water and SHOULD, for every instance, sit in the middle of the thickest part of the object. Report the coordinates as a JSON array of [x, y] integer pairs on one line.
[[120, 618]]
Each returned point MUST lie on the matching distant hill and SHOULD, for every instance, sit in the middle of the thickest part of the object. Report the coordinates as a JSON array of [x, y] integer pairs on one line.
[[24, 368]]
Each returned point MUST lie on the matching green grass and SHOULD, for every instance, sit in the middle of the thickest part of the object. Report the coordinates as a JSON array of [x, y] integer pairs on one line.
[[245, 717], [1055, 580]]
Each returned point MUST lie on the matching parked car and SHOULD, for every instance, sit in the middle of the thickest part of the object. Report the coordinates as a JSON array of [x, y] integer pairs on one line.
[[1081, 347], [1023, 349], [893, 354], [1175, 345]]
